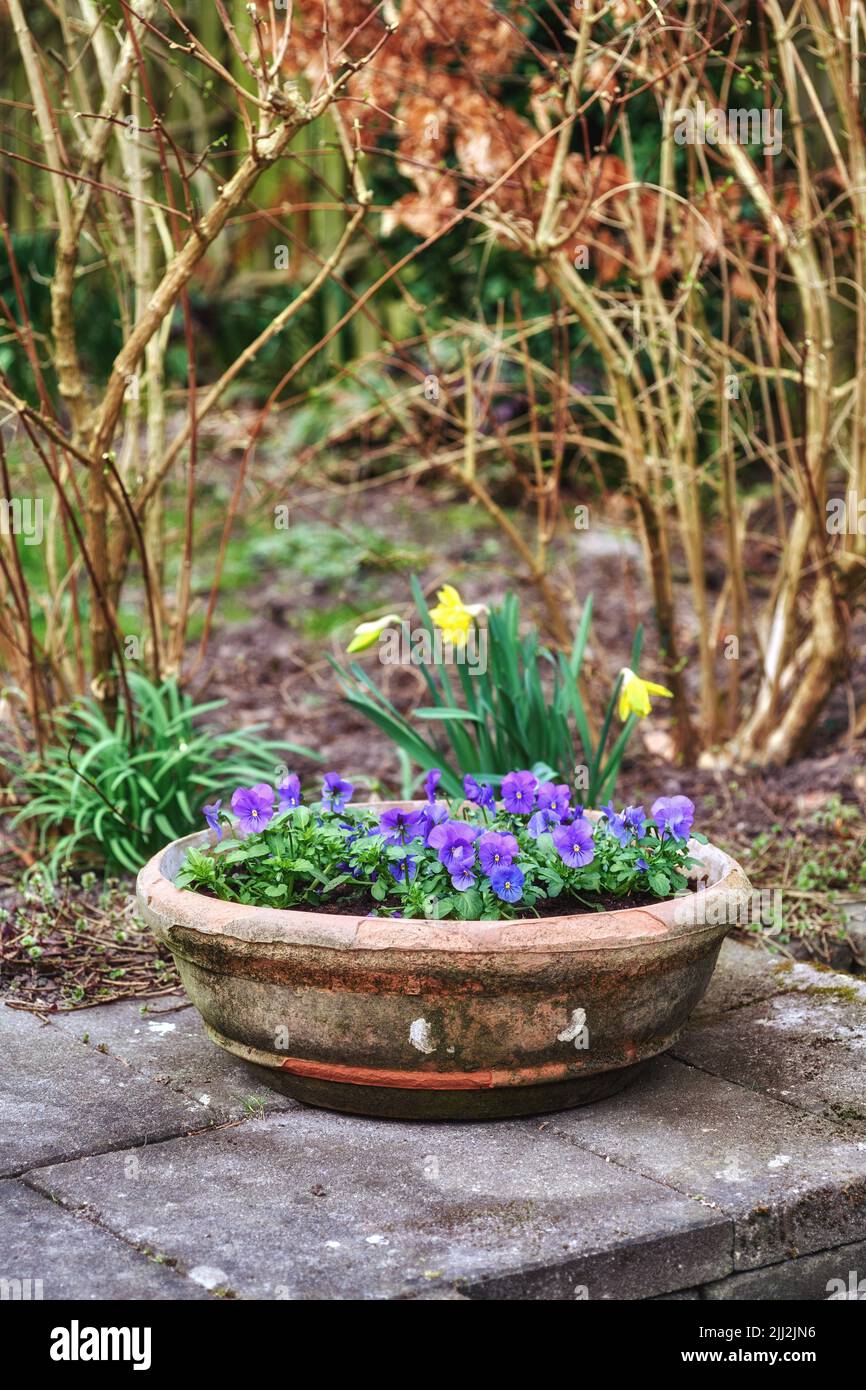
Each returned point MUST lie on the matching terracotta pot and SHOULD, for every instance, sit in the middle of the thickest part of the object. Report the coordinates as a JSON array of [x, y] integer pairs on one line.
[[444, 1020]]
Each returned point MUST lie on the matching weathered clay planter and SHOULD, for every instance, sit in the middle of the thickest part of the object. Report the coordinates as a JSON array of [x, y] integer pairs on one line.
[[445, 1020]]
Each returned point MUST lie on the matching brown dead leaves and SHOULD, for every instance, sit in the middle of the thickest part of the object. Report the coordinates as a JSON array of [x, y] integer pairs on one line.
[[439, 99]]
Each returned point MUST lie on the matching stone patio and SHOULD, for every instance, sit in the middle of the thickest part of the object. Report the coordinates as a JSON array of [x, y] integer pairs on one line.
[[139, 1161]]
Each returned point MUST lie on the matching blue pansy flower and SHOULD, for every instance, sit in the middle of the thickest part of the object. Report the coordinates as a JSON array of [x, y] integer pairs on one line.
[[507, 883]]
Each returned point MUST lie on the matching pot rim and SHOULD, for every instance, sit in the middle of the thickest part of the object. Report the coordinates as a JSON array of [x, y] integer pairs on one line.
[[705, 911]]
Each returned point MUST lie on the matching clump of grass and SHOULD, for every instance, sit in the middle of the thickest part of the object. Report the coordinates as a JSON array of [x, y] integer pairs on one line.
[[110, 791]]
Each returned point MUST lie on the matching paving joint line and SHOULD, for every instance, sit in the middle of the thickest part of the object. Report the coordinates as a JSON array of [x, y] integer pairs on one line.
[[846, 1128], [123, 1146], [86, 1212]]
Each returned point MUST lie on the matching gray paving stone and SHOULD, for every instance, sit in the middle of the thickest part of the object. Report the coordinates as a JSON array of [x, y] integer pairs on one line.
[[164, 1038], [744, 973], [819, 981], [806, 1048], [832, 1275], [59, 1099], [73, 1259], [308, 1204], [744, 1156], [624, 1271], [747, 973], [791, 1182]]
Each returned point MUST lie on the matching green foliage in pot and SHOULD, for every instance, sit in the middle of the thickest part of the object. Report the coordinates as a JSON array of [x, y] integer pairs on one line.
[[481, 859]]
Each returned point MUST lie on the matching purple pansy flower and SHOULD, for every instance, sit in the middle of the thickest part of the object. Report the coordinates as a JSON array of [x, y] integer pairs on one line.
[[635, 819], [674, 816], [642, 865], [335, 792], [211, 815], [574, 844], [404, 869], [518, 793], [616, 823], [253, 807], [434, 813], [431, 782], [496, 850], [507, 883], [463, 879], [627, 823], [482, 795], [289, 792], [540, 821], [456, 846], [554, 797], [399, 826]]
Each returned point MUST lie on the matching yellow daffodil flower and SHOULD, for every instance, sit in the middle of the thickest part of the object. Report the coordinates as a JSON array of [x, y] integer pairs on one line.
[[454, 616], [634, 695], [366, 634]]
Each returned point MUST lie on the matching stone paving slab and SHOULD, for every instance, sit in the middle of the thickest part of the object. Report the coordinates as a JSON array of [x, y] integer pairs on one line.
[[59, 1098], [74, 1259], [164, 1039], [818, 981], [316, 1205], [833, 1274], [743, 975], [748, 973], [805, 1049], [737, 1164], [791, 1182], [790, 1029]]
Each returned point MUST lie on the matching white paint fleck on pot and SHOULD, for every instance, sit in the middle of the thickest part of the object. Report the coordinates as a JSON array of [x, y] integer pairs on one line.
[[575, 1028], [419, 1035]]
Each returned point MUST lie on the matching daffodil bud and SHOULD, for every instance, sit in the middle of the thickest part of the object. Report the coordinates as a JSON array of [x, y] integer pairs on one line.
[[366, 634]]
